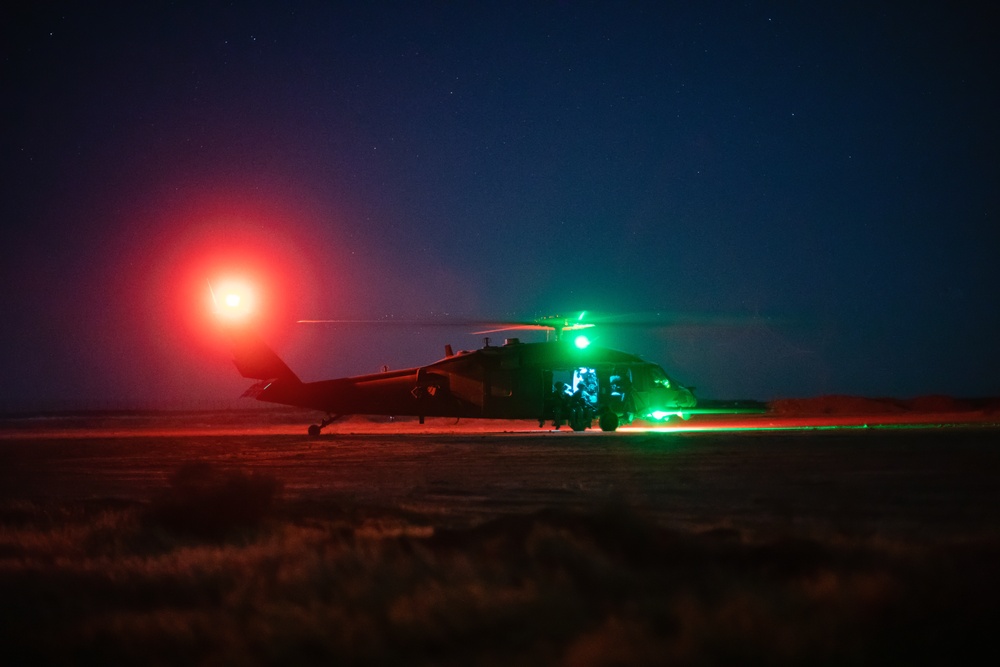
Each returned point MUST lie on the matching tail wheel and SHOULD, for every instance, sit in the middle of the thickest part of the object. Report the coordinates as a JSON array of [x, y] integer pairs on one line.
[[314, 430]]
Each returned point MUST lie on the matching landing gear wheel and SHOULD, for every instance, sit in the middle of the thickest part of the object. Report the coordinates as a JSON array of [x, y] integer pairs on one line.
[[608, 421], [315, 429]]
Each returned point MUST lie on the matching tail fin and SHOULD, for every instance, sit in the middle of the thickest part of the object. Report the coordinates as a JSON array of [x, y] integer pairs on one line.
[[257, 361]]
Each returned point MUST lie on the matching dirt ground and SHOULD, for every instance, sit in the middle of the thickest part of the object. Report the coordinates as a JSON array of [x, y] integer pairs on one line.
[[773, 539]]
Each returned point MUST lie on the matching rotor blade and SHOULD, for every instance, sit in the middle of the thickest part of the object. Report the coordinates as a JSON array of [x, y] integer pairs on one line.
[[579, 320], [515, 327], [411, 322], [211, 290], [665, 320]]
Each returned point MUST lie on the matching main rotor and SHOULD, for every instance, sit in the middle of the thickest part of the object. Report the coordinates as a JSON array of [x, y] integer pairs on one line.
[[554, 325]]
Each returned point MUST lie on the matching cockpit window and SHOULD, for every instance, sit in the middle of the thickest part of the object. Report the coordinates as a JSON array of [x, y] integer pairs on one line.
[[659, 377], [651, 376]]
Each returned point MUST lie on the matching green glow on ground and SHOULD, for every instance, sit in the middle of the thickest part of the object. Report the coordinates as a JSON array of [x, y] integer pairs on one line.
[[806, 427]]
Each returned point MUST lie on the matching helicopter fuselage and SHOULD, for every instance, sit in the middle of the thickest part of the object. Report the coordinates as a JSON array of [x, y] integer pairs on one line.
[[551, 380]]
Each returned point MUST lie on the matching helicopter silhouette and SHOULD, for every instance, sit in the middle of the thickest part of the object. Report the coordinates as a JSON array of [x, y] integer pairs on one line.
[[565, 380]]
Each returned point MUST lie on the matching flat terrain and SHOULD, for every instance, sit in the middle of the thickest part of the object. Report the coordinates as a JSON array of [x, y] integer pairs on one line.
[[214, 538]]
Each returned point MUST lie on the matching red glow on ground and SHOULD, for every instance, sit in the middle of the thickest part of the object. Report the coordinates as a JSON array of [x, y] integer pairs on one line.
[[281, 422]]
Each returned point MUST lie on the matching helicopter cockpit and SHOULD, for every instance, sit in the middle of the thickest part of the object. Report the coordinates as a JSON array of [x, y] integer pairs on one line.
[[650, 376]]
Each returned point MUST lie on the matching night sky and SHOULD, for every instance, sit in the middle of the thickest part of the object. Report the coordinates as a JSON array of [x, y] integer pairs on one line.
[[809, 191]]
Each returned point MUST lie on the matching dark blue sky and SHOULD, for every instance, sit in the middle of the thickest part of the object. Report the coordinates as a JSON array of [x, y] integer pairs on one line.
[[826, 177]]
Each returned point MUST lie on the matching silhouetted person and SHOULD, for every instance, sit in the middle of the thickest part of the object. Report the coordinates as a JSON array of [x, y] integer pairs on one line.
[[559, 404]]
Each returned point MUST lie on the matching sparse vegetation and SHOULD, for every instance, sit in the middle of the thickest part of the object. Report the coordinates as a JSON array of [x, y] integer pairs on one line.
[[204, 500], [846, 548], [320, 583]]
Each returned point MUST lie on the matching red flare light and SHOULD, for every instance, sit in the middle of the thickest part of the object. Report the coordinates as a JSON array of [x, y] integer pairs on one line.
[[213, 276], [233, 299]]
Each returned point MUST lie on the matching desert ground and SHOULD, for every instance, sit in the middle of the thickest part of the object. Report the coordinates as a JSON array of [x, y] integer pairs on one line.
[[839, 533]]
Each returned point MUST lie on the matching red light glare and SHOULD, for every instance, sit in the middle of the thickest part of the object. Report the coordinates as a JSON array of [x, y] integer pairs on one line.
[[216, 275], [237, 299], [260, 241]]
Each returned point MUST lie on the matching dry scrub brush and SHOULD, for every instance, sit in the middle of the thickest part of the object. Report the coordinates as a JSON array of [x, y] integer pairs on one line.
[[261, 581]]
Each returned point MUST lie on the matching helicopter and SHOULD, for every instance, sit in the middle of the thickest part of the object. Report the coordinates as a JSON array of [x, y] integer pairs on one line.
[[565, 379]]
